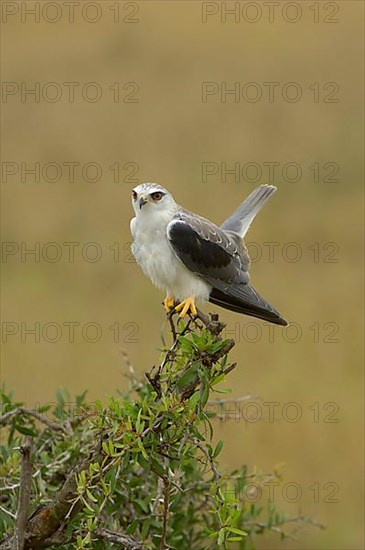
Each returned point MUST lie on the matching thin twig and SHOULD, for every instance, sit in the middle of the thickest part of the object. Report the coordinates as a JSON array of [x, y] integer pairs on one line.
[[277, 529], [7, 416], [24, 495], [230, 368], [7, 512], [111, 536], [4, 419], [232, 400], [172, 325], [155, 382], [213, 323], [17, 485], [9, 487], [131, 373], [216, 474], [166, 495]]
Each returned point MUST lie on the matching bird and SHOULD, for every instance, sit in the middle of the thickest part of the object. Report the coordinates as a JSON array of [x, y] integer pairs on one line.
[[193, 260]]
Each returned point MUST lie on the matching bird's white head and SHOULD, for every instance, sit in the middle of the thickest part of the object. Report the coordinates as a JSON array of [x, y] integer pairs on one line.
[[151, 199]]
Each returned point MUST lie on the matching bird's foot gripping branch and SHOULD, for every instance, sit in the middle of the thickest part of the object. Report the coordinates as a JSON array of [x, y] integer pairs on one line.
[[140, 472]]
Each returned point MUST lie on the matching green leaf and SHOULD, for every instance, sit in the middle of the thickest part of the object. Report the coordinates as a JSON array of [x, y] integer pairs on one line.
[[188, 377], [193, 401], [217, 346], [204, 395], [91, 496], [132, 527], [237, 531], [223, 362], [60, 397], [158, 467], [144, 463], [105, 447], [87, 505], [145, 528], [81, 398], [141, 448], [111, 447], [218, 379], [185, 345], [218, 448], [26, 431], [139, 422], [221, 535], [143, 505]]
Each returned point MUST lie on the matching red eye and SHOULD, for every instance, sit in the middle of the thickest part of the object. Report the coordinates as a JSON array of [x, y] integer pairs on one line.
[[157, 196]]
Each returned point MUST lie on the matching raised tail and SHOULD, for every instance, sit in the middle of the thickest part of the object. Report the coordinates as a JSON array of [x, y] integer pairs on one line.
[[242, 217]]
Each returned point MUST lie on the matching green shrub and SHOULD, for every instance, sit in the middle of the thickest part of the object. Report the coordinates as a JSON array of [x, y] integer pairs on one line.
[[140, 472]]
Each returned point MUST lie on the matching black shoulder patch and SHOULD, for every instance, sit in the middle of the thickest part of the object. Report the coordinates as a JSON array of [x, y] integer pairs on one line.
[[193, 249]]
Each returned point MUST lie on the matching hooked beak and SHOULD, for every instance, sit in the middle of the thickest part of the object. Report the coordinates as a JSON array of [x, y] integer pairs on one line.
[[142, 201]]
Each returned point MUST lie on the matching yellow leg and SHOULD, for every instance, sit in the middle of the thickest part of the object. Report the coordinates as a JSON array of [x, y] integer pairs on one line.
[[186, 305], [169, 303]]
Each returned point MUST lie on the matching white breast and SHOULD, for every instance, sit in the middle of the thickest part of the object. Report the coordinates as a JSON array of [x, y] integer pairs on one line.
[[157, 259]]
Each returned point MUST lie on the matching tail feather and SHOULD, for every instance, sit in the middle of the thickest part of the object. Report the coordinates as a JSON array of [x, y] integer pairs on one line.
[[243, 298], [241, 219]]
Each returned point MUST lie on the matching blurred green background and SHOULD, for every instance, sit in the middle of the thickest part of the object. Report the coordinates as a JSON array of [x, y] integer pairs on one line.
[[160, 53]]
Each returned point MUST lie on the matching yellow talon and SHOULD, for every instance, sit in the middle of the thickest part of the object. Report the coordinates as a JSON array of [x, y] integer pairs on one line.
[[186, 305], [169, 303]]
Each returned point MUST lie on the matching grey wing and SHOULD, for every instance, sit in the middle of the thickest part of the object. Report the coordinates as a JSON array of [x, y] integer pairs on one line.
[[221, 259], [217, 256], [242, 217]]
